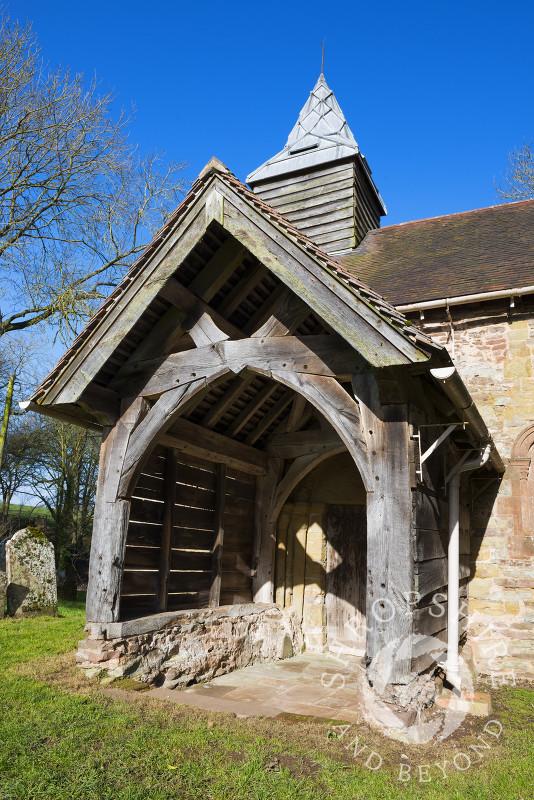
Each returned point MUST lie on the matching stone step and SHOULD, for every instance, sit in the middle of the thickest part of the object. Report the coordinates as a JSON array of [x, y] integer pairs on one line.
[[476, 703]]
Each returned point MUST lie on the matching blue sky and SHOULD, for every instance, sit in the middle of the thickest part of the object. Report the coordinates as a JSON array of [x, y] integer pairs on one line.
[[436, 93]]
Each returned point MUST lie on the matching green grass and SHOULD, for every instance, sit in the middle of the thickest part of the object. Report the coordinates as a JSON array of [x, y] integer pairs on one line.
[[25, 512], [63, 737]]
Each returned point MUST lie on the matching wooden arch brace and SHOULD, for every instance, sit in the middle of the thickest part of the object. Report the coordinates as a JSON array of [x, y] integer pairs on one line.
[[126, 459]]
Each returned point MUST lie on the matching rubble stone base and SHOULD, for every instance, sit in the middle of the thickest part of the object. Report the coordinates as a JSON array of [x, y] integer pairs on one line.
[[184, 647]]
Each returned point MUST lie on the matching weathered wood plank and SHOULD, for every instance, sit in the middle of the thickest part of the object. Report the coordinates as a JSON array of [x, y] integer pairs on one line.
[[263, 313], [321, 354], [110, 524], [236, 582], [214, 414], [189, 581], [187, 437], [286, 194], [270, 417], [340, 410], [144, 534], [194, 476], [280, 561], [194, 518], [194, 496], [129, 307], [432, 575], [202, 329], [237, 487], [181, 601], [264, 542], [390, 568], [139, 582], [183, 538], [320, 176], [251, 408], [142, 510], [218, 269], [141, 557], [155, 423], [177, 294], [167, 526], [103, 403], [301, 443], [296, 472], [285, 317], [191, 560], [217, 555], [346, 575], [240, 563], [432, 544]]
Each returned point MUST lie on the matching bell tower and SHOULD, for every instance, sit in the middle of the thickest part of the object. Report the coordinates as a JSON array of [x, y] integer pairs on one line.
[[320, 181]]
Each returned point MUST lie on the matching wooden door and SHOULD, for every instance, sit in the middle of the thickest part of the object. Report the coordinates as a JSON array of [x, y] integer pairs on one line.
[[346, 568]]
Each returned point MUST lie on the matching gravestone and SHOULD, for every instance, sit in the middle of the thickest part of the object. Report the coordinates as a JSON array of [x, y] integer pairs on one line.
[[3, 588], [31, 574], [3, 577]]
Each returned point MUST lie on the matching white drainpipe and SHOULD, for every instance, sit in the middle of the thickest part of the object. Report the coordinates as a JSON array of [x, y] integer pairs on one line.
[[452, 664]]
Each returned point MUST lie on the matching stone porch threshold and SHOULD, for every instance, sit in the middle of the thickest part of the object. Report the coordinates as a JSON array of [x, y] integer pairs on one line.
[[317, 685]]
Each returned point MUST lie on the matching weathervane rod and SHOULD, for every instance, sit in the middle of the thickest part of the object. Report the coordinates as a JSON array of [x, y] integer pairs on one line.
[[322, 55]]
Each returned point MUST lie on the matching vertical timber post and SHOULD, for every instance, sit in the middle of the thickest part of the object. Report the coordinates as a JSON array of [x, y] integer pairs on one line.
[[389, 535], [216, 569], [264, 547], [169, 495], [111, 515]]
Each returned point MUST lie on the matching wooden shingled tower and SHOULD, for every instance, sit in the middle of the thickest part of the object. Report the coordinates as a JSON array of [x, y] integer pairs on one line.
[[320, 181]]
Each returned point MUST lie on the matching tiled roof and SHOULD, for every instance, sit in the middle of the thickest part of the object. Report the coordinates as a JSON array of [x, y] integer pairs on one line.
[[360, 290], [475, 251]]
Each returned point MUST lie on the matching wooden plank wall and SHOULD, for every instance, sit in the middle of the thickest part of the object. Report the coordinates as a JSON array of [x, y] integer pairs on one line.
[[320, 204], [143, 541], [430, 525], [190, 562], [334, 205]]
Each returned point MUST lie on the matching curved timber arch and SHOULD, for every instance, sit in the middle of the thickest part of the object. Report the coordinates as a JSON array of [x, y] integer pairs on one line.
[[298, 470], [324, 393]]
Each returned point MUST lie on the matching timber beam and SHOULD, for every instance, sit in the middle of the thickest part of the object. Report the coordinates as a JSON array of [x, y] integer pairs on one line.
[[188, 302], [325, 355], [186, 437], [301, 443]]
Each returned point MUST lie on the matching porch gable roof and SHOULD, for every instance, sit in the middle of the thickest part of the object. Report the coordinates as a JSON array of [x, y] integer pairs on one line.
[[349, 306]]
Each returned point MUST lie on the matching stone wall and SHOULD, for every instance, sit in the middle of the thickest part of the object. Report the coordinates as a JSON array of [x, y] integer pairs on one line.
[[493, 348], [177, 648]]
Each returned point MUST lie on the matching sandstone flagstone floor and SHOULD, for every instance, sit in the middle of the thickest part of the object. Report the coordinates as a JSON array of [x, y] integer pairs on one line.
[[317, 685]]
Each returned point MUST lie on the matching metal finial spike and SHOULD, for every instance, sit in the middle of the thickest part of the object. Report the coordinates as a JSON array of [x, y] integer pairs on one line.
[[322, 55]]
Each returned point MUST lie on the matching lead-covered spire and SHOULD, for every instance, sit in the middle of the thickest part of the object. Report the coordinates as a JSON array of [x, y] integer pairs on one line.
[[321, 134]]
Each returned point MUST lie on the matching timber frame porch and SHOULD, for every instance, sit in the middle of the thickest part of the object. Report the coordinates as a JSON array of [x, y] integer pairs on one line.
[[231, 361]]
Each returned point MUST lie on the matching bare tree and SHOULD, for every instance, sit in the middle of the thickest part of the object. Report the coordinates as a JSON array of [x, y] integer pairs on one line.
[[519, 179], [65, 482], [21, 459], [77, 201]]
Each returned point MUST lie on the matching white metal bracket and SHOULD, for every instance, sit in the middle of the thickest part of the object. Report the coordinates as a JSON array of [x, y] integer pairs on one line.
[[447, 432]]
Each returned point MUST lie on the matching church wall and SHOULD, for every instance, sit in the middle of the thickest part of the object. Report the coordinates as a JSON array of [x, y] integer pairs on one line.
[[493, 348]]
